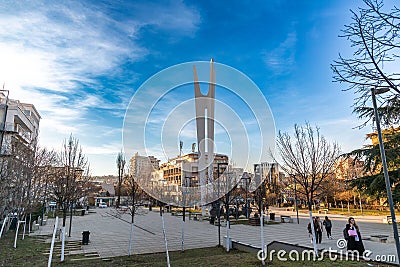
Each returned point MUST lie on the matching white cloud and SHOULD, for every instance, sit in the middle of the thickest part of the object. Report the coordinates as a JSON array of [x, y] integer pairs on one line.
[[52, 52], [282, 58], [60, 46]]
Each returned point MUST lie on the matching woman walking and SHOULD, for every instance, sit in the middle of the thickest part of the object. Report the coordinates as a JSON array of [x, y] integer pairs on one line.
[[318, 230], [353, 237], [328, 226]]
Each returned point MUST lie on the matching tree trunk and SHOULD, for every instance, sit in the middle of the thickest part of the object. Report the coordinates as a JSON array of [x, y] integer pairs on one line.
[[348, 206], [130, 240], [70, 221]]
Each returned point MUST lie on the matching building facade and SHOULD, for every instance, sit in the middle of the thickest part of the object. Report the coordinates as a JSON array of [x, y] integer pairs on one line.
[[19, 124], [184, 170], [19, 129]]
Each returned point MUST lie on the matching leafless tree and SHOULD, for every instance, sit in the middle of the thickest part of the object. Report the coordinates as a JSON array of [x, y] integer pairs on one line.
[[40, 164], [136, 196], [69, 178], [309, 158], [374, 34], [24, 167], [16, 176]]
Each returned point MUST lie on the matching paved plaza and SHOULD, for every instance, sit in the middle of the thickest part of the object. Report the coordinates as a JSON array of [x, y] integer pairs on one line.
[[109, 236]]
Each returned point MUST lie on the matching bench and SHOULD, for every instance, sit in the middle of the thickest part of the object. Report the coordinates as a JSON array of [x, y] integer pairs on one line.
[[323, 210], [388, 219], [380, 238], [123, 208], [197, 217], [254, 221], [286, 219]]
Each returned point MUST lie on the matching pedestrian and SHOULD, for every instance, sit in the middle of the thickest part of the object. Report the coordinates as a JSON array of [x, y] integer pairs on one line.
[[328, 227], [213, 214], [353, 236], [318, 230], [310, 230]]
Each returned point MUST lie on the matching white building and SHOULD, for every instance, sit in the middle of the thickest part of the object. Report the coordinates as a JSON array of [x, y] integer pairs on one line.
[[19, 124], [19, 129], [141, 168]]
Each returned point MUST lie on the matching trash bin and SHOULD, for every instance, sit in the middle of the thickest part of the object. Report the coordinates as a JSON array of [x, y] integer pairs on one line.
[[14, 223], [85, 237], [83, 213], [272, 216]]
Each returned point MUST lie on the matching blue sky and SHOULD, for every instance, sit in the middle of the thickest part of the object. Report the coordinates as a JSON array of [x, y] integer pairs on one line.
[[80, 62]]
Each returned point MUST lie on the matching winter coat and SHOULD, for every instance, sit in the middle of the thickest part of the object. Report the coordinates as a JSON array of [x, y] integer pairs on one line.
[[352, 243]]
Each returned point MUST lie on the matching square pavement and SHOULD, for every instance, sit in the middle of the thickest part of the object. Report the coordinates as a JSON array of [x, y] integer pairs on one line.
[[109, 235]]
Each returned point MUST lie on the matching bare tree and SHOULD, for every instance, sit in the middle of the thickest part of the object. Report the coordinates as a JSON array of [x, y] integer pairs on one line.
[[69, 179], [120, 165], [23, 169], [374, 33], [309, 158], [16, 177], [136, 196], [42, 161]]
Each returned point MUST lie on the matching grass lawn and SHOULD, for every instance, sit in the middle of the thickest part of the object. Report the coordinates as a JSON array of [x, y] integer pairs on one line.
[[29, 252]]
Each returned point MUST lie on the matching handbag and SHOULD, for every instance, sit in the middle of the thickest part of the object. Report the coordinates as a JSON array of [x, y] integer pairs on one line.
[[352, 232]]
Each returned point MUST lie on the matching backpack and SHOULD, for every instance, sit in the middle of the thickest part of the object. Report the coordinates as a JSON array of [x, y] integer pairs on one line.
[[328, 223]]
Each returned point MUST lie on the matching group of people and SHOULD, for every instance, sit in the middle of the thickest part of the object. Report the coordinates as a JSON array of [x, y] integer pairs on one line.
[[351, 233], [318, 228]]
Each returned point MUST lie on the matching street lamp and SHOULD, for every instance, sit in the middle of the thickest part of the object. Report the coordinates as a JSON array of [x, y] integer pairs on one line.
[[184, 193], [375, 91], [295, 200], [219, 202], [246, 177]]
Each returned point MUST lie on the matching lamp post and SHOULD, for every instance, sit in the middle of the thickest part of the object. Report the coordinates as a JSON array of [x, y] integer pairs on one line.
[[219, 203], [295, 200], [186, 185], [246, 177], [375, 91]]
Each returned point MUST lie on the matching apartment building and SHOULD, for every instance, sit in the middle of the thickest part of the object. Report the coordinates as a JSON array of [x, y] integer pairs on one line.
[[184, 170], [19, 124]]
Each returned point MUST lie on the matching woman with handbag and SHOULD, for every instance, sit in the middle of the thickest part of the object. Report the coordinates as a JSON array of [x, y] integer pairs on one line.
[[354, 241]]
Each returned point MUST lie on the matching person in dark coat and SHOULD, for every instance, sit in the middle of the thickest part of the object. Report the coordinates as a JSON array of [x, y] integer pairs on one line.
[[213, 214], [318, 230], [353, 237], [328, 227]]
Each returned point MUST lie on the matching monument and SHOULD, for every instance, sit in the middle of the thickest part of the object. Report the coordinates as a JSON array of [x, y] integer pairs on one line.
[[205, 105]]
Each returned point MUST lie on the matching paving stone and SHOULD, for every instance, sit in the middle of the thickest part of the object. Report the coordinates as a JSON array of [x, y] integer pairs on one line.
[[109, 236]]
